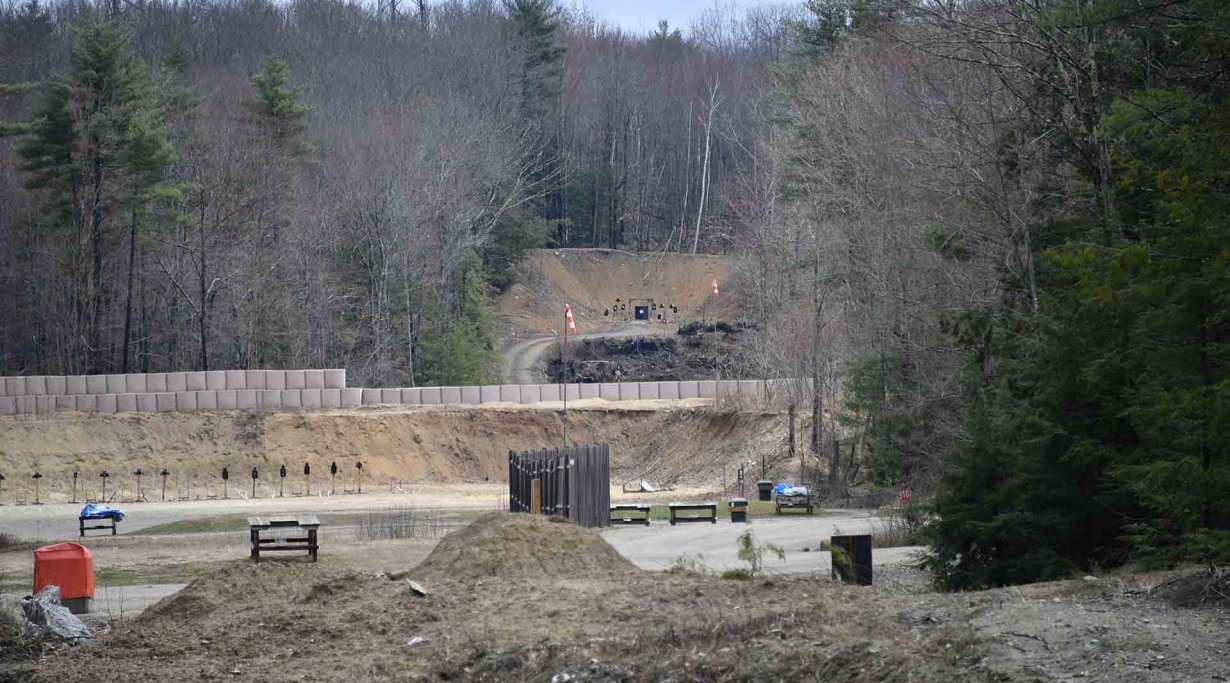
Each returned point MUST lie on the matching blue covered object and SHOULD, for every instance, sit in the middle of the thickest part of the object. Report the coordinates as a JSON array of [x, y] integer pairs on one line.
[[791, 490], [781, 488], [92, 511]]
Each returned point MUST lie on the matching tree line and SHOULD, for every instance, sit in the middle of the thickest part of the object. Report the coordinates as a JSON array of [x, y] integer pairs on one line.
[[225, 184], [1001, 231]]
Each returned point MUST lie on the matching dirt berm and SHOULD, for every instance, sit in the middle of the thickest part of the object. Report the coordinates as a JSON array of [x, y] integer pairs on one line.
[[547, 604], [667, 444]]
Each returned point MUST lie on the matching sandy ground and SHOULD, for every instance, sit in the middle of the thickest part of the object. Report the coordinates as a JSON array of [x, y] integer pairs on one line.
[[714, 546]]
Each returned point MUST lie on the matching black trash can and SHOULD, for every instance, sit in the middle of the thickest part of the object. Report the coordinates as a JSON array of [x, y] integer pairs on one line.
[[738, 510], [765, 487]]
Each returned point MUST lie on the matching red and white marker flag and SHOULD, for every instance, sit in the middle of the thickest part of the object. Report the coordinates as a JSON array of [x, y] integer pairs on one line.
[[570, 327], [715, 288]]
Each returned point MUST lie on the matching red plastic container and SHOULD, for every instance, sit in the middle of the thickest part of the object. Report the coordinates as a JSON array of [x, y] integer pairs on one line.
[[67, 565]]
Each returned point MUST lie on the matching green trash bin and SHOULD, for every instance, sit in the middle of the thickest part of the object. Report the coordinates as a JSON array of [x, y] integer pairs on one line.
[[765, 488], [738, 510]]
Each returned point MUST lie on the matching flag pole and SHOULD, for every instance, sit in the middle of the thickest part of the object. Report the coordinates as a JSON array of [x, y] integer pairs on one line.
[[564, 388]]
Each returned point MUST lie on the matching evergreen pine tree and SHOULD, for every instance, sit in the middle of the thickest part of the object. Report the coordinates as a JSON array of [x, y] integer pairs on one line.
[[80, 154]]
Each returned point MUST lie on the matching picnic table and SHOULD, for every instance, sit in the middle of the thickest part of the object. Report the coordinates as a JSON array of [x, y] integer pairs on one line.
[[799, 501], [282, 533], [108, 517], [630, 513], [708, 510]]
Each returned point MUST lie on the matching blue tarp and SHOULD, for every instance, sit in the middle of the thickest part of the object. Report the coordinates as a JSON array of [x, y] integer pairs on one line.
[[791, 490], [92, 511]]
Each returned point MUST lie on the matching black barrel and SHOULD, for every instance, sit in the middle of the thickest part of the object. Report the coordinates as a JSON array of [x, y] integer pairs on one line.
[[765, 488]]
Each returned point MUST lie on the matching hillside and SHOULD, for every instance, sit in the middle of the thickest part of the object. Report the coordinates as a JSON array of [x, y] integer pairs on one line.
[[591, 279]]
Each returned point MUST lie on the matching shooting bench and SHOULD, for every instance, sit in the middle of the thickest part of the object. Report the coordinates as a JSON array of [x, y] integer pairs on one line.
[[708, 510], [805, 502], [630, 513], [280, 536], [82, 528]]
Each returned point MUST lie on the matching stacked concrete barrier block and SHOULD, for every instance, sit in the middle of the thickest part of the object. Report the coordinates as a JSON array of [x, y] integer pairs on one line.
[[146, 403], [296, 379], [352, 398], [269, 399], [629, 391], [215, 380], [56, 386], [253, 380], [275, 380], [312, 399], [450, 395], [117, 384], [335, 379], [390, 396], [549, 392], [668, 390], [706, 388], [164, 402], [136, 383], [689, 389], [36, 386], [588, 390], [471, 395], [291, 398], [76, 385], [8, 405], [155, 382], [649, 391], [313, 379], [178, 381], [15, 386], [330, 398], [85, 403], [510, 393], [371, 397], [412, 396], [108, 403], [227, 400], [530, 393], [186, 400], [431, 396], [490, 393], [234, 380], [248, 399], [608, 391], [62, 402], [206, 400], [44, 405], [124, 403], [751, 388]]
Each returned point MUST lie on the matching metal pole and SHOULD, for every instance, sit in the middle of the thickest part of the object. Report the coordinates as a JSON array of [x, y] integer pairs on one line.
[[564, 358]]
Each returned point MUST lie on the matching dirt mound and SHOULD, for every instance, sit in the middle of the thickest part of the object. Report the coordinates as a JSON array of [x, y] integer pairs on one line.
[[507, 545], [590, 280]]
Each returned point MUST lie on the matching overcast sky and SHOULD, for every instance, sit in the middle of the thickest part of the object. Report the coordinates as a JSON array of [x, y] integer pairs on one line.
[[642, 16]]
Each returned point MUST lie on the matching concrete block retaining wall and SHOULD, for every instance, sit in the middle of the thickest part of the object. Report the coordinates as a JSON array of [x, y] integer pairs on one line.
[[160, 397]]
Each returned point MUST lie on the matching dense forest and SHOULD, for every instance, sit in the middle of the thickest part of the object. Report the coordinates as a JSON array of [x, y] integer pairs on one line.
[[323, 183], [993, 232]]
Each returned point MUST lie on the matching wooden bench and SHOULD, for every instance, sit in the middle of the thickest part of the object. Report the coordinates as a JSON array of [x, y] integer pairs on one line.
[[630, 513], [280, 539], [807, 503], [709, 511], [82, 528]]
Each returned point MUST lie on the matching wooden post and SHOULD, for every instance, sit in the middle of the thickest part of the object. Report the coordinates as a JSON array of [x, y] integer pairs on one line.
[[536, 497], [790, 412]]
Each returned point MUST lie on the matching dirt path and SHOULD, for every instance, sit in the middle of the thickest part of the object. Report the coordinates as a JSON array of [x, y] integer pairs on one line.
[[523, 359]]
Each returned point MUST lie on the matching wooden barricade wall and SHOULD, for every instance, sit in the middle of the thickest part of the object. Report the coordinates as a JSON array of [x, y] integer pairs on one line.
[[574, 483]]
